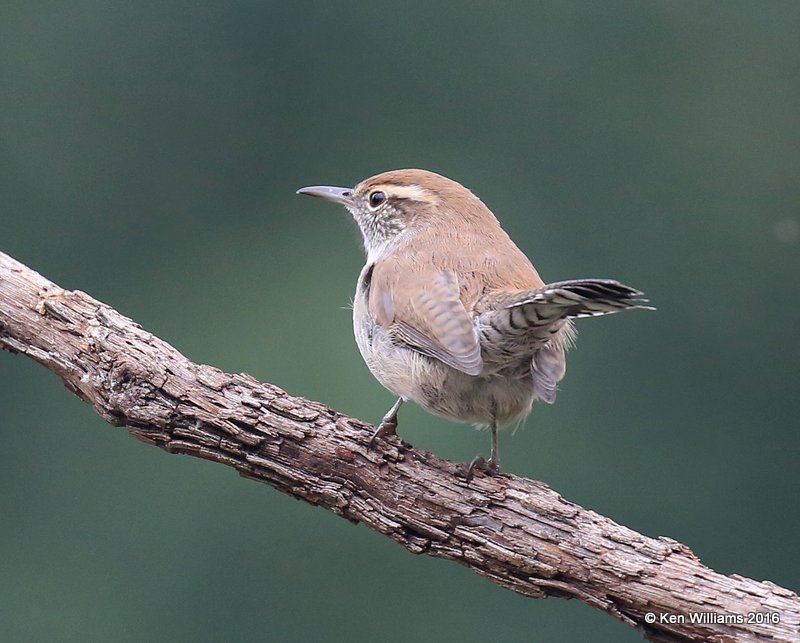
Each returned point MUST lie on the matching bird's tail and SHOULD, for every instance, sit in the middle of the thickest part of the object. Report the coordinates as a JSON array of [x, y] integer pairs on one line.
[[533, 317], [536, 325], [579, 298]]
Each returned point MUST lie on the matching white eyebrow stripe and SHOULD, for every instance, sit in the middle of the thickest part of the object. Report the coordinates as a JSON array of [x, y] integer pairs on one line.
[[412, 192]]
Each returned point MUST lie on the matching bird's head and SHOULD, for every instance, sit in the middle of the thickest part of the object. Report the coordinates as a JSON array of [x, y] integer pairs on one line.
[[388, 204]]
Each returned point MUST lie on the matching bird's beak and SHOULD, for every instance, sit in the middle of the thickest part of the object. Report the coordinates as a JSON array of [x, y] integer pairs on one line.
[[337, 195]]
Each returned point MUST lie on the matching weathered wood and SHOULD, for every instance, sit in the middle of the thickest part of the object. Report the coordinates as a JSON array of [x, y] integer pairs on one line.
[[516, 532]]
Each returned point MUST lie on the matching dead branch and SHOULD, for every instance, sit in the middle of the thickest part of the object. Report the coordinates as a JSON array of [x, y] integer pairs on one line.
[[516, 532]]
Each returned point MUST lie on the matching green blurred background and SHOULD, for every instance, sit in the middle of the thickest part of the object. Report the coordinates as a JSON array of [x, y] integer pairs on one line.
[[149, 156]]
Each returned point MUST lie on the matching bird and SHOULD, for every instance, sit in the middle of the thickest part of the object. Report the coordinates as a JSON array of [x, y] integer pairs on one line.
[[450, 314]]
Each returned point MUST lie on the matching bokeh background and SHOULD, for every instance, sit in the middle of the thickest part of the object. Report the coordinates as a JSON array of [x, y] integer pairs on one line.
[[149, 155]]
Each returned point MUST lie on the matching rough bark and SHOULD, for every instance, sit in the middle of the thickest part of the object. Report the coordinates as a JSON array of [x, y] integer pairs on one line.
[[516, 532]]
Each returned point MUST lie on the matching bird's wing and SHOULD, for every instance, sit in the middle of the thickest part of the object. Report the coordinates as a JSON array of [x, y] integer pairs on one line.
[[425, 313]]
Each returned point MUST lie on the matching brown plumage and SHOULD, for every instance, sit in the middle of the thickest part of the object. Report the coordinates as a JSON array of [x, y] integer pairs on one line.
[[449, 313]]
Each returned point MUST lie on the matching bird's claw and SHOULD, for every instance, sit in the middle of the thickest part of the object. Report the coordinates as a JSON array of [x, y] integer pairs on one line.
[[386, 427], [490, 467]]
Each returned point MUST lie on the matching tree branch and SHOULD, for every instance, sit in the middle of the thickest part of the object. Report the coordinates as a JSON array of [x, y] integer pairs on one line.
[[516, 532]]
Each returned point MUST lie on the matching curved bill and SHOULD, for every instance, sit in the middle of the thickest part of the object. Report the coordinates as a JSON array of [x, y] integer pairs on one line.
[[337, 195]]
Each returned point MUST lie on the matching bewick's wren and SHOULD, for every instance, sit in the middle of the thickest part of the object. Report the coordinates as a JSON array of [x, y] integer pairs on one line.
[[449, 313]]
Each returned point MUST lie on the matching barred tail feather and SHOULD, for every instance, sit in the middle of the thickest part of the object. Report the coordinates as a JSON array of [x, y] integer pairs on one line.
[[581, 298], [537, 323]]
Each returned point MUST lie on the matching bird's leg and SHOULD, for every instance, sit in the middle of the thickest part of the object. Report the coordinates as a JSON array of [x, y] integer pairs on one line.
[[494, 461], [490, 466], [388, 425]]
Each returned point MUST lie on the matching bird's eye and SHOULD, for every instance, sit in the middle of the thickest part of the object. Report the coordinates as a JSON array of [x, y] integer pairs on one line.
[[376, 198]]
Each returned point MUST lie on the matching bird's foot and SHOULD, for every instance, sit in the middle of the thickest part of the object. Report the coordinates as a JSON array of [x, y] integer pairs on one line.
[[388, 426], [479, 463]]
